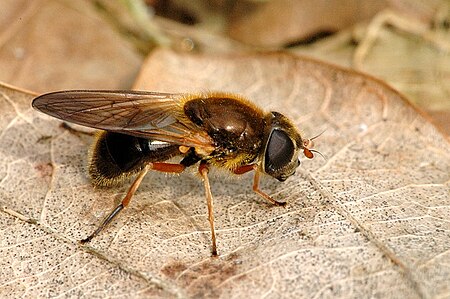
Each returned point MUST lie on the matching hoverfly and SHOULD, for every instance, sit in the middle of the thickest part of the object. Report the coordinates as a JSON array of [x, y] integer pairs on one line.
[[141, 131]]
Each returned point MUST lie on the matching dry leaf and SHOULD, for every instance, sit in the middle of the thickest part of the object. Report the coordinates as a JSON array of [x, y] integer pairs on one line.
[[278, 23], [416, 62], [48, 45], [371, 221]]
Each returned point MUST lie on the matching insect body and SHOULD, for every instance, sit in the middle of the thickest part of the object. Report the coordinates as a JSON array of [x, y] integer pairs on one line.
[[142, 130]]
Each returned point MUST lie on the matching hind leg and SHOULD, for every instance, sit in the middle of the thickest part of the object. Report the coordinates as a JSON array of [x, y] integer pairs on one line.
[[163, 167]]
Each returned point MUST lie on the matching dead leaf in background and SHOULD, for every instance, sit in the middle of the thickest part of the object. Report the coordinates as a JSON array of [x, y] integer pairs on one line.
[[276, 24], [48, 45], [409, 51], [279, 23], [369, 221]]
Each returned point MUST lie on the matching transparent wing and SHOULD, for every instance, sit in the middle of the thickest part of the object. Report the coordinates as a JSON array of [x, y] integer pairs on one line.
[[152, 115]]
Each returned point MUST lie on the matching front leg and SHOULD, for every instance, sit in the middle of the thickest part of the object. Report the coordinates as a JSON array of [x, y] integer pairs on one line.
[[256, 177]]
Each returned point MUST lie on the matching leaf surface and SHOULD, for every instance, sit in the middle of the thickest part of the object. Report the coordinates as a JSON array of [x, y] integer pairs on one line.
[[370, 221]]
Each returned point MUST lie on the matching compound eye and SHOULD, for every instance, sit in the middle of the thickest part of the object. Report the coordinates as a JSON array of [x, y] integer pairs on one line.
[[279, 151]]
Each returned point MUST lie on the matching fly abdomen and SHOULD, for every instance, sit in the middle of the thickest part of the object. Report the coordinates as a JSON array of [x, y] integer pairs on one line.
[[116, 156]]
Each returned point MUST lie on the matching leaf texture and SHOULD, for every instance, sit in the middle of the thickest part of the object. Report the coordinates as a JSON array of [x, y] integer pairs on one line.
[[370, 221]]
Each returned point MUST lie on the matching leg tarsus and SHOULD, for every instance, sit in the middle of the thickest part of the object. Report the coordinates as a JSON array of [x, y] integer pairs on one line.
[[104, 224], [263, 194]]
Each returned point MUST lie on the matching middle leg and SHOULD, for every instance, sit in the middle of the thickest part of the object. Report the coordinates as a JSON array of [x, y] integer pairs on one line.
[[203, 170]]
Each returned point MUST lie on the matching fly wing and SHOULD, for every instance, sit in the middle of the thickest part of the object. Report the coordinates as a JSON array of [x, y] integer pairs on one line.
[[152, 115], [111, 110]]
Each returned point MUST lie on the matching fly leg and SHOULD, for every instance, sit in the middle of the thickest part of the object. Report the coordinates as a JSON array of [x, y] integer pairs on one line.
[[163, 167], [256, 177], [203, 170]]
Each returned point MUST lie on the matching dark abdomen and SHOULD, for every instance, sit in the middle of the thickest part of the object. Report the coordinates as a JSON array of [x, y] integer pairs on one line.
[[116, 156]]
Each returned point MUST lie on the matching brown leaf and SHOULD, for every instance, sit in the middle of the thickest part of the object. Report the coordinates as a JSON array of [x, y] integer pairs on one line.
[[278, 23], [403, 48], [48, 45], [372, 219]]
